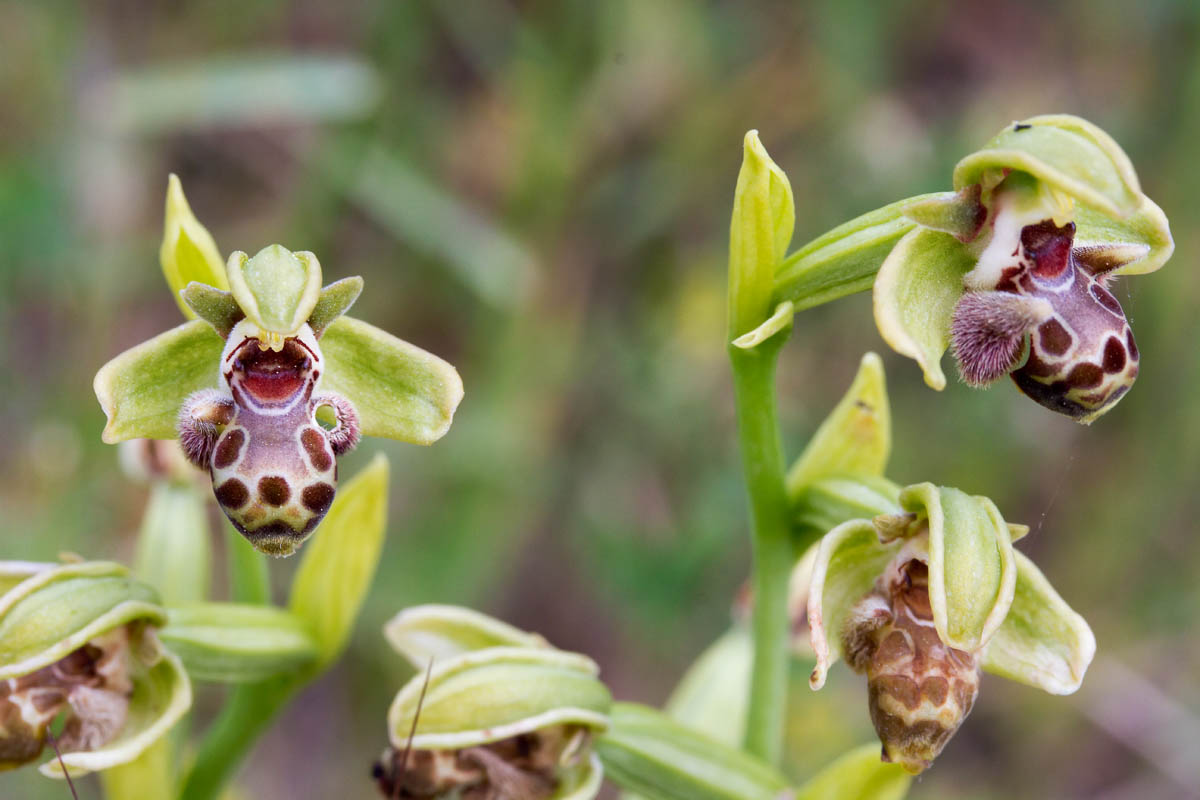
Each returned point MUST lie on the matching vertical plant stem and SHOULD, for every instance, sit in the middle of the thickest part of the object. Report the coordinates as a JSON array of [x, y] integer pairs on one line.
[[148, 777], [246, 715], [249, 579], [763, 465]]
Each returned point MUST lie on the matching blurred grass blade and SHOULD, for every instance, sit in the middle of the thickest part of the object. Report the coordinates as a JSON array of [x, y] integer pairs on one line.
[[338, 566], [424, 216], [249, 91], [142, 389]]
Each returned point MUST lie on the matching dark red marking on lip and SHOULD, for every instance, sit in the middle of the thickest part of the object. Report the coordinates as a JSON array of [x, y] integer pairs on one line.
[[272, 376], [232, 494], [1049, 246], [317, 498], [318, 452], [241, 344], [273, 490], [228, 448], [306, 347]]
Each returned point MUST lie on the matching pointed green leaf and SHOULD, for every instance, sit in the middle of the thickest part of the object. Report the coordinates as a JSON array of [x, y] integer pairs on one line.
[[1068, 153], [1042, 641], [712, 695], [764, 214], [647, 752], [1145, 235], [844, 260], [214, 306], [334, 301], [277, 288], [142, 390], [161, 695], [174, 548], [856, 437], [188, 252], [400, 391], [849, 559], [487, 695], [858, 775], [439, 632], [915, 293], [338, 565], [238, 643], [972, 570]]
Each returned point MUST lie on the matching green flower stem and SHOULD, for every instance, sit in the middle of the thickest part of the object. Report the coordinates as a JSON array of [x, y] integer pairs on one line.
[[762, 460], [148, 777], [250, 710]]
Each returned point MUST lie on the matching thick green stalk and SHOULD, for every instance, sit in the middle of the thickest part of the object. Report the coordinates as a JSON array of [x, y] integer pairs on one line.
[[148, 777], [249, 579], [251, 708], [763, 464]]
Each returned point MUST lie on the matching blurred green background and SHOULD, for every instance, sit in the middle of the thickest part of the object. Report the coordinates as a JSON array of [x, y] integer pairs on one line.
[[540, 192]]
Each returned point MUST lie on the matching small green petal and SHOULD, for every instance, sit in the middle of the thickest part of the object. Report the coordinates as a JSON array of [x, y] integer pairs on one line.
[[174, 545], [1069, 153], [764, 214], [915, 293], [844, 260], [214, 306], [278, 289], [828, 502], [972, 571], [858, 775], [647, 752], [1042, 642], [960, 214], [338, 565], [188, 252], [1144, 235], [439, 632], [162, 694], [400, 391], [849, 559], [856, 437], [334, 301], [238, 643], [142, 389], [487, 695], [55, 612]]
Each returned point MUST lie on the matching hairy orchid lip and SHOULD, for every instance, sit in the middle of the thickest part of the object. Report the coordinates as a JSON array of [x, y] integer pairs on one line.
[[272, 376]]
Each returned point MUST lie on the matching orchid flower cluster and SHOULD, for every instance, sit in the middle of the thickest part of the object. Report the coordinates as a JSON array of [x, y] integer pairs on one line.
[[918, 587]]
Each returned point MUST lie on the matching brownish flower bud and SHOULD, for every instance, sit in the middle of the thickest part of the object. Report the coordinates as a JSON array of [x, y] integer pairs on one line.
[[920, 690]]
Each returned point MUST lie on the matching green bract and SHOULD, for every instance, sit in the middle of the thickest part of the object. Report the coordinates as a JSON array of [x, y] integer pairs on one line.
[[401, 391], [480, 684], [86, 611], [239, 643]]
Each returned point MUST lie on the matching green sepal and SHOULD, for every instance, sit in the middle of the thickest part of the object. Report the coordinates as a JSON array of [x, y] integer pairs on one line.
[[57, 610], [161, 696], [188, 252], [142, 389], [334, 301], [972, 569], [857, 775], [1070, 154], [848, 560], [174, 545], [238, 643], [856, 437], [338, 565], [764, 215], [216, 307], [916, 290], [646, 752], [437, 632], [487, 695], [278, 289], [844, 260], [1141, 241], [400, 391], [1042, 642]]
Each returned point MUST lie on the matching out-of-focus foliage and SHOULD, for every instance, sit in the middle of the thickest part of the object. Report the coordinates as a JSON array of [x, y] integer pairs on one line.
[[539, 193]]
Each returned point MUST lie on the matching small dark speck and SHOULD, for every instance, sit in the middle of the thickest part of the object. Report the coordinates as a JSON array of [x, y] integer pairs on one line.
[[1021, 126], [864, 406]]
